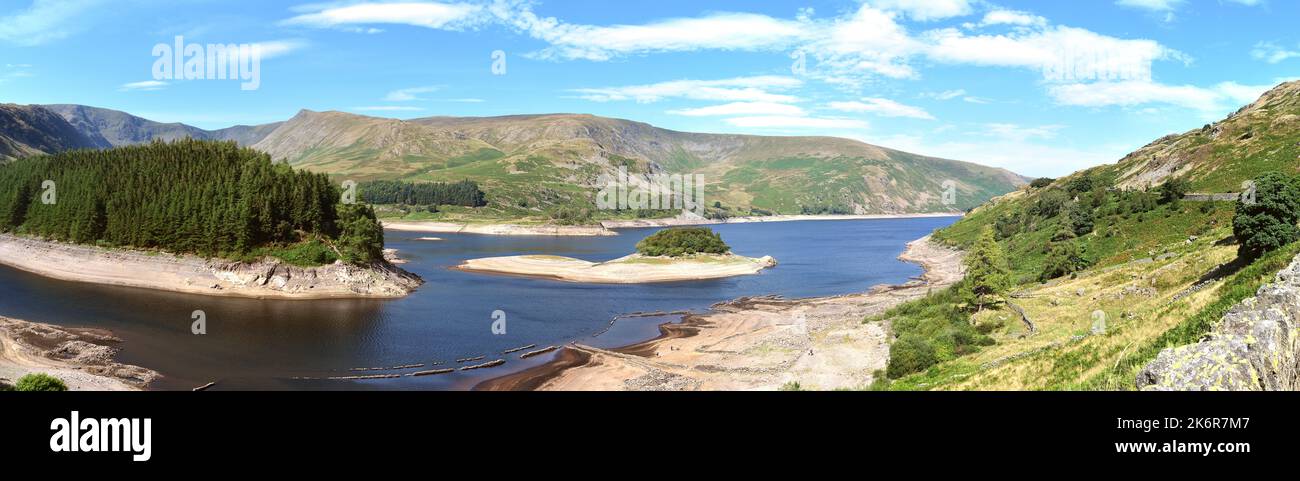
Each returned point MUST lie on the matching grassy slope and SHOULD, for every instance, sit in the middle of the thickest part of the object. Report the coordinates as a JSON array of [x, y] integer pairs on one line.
[[530, 167], [1144, 265]]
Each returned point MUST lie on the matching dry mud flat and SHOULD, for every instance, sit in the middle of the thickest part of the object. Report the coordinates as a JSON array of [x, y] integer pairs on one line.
[[632, 269], [82, 358], [757, 343], [196, 275]]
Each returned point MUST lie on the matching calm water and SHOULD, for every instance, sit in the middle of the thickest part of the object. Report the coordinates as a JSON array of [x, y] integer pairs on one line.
[[262, 344]]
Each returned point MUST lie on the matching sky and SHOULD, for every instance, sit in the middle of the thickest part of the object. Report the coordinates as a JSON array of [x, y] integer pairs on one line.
[[1043, 88]]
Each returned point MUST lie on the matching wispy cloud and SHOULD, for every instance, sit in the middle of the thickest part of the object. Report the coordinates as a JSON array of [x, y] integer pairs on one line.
[[144, 86], [741, 108], [388, 108], [741, 89], [436, 15], [926, 10], [1209, 101], [787, 122], [1271, 52], [410, 94], [882, 107], [44, 21]]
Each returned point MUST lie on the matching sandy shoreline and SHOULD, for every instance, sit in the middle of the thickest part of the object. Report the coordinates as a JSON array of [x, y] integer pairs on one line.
[[632, 269], [196, 275], [498, 229], [82, 358], [606, 228], [697, 220], [758, 343]]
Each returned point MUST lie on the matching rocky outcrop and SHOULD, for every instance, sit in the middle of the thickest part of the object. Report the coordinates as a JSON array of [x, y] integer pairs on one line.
[[1254, 348]]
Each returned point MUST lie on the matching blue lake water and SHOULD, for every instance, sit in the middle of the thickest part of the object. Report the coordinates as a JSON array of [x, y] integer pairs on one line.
[[265, 344]]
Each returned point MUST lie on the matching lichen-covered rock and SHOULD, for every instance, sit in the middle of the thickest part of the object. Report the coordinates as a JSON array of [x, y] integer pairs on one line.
[[1254, 348]]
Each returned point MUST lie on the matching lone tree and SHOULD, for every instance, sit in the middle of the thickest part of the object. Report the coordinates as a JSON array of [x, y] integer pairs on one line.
[[1268, 221], [987, 273], [683, 241]]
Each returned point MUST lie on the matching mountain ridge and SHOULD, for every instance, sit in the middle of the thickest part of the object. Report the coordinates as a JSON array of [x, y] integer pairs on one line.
[[534, 163]]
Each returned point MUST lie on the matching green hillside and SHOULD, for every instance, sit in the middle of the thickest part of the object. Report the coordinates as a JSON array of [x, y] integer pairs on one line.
[[1114, 245]]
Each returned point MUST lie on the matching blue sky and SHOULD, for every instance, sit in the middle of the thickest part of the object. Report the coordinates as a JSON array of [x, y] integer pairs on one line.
[[984, 81]]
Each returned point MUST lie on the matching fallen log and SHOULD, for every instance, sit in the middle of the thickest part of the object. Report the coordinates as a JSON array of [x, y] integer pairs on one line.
[[517, 349], [538, 352], [485, 365], [205, 386], [431, 372]]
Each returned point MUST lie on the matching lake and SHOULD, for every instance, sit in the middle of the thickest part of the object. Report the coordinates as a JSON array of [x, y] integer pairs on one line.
[[266, 344]]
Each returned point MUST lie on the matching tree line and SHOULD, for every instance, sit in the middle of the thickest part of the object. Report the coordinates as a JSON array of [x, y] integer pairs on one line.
[[465, 193], [188, 196]]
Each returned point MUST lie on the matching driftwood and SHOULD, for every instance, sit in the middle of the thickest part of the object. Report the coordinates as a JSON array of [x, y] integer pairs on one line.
[[517, 349], [431, 372], [485, 365], [529, 354], [205, 386], [371, 376], [394, 368]]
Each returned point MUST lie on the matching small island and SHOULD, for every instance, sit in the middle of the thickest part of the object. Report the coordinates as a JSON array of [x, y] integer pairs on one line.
[[677, 254]]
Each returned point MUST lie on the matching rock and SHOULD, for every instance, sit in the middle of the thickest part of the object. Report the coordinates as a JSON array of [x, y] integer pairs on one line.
[[1254, 348]]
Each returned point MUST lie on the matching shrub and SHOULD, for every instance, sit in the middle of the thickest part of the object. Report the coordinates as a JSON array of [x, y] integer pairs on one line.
[[1270, 221], [1064, 258], [682, 241], [40, 382], [910, 354], [1041, 182], [1173, 190]]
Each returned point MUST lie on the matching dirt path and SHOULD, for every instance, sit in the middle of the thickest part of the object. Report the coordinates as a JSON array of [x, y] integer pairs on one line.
[[757, 343], [82, 358]]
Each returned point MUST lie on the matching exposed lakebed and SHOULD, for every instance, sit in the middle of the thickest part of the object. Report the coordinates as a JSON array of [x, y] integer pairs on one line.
[[271, 344]]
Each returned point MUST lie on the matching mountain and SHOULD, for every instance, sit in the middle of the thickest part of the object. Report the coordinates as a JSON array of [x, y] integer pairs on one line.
[[29, 130], [531, 164], [535, 161], [112, 128], [1218, 157]]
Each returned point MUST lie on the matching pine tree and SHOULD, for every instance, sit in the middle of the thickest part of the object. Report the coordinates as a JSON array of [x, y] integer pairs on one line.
[[987, 272]]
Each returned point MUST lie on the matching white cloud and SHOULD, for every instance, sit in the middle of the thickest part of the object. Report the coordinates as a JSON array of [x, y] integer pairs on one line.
[[388, 108], [926, 10], [436, 15], [1020, 133], [1013, 17], [719, 31], [742, 108], [740, 89], [278, 48], [1153, 5], [1272, 53], [788, 122], [145, 86], [43, 21], [947, 94], [882, 107], [1052, 51], [409, 94], [1210, 101]]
